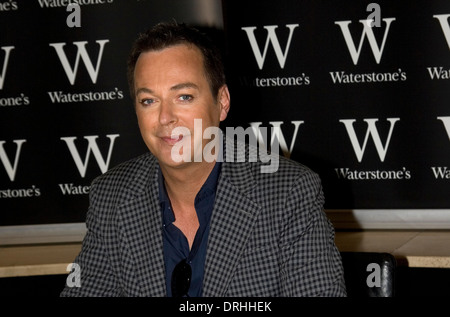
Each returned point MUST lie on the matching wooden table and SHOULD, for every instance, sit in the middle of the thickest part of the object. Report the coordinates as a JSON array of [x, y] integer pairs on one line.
[[45, 259]]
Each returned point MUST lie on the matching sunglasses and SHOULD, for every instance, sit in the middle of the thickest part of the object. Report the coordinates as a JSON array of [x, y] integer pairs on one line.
[[181, 279]]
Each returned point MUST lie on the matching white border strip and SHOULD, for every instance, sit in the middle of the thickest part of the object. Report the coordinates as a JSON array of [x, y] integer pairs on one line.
[[38, 234], [403, 219], [400, 219]]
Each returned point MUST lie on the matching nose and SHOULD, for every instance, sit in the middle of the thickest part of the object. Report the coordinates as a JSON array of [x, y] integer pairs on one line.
[[167, 114]]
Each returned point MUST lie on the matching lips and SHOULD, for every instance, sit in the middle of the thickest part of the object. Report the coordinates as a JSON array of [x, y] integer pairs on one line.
[[173, 139]]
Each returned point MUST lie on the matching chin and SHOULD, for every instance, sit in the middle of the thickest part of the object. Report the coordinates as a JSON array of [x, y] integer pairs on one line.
[[166, 159]]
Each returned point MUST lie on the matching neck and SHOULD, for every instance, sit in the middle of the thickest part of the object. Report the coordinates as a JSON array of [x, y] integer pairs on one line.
[[183, 184]]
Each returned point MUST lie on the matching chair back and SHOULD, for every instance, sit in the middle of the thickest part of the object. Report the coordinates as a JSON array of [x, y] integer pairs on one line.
[[369, 274]]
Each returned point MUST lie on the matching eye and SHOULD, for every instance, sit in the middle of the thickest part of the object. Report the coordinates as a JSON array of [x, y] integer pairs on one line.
[[147, 102], [186, 98]]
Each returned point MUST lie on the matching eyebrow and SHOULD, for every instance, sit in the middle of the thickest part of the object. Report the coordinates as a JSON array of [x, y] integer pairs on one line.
[[175, 87], [184, 85]]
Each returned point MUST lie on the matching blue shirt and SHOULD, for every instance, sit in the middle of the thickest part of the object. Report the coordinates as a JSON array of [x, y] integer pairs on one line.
[[175, 244]]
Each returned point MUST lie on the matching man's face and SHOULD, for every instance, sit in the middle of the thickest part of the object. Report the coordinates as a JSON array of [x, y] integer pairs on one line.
[[171, 91]]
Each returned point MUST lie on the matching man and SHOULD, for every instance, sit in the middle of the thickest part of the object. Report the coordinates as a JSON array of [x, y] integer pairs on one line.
[[159, 225]]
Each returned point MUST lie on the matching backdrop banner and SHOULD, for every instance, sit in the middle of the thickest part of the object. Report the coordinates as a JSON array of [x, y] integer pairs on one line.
[[65, 111], [359, 91]]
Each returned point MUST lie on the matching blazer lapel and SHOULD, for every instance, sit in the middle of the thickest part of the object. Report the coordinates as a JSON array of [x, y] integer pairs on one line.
[[140, 221], [231, 224]]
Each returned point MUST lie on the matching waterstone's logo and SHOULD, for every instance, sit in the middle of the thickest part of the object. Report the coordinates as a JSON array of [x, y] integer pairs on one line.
[[381, 146], [82, 164], [372, 131], [90, 64], [281, 54], [92, 68], [20, 100], [377, 47], [11, 166], [441, 72]]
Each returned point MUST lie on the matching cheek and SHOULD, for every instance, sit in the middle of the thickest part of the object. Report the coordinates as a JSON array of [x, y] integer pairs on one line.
[[211, 115], [141, 124], [146, 128], [144, 121]]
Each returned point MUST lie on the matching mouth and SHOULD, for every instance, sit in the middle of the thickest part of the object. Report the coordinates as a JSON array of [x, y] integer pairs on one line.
[[172, 139]]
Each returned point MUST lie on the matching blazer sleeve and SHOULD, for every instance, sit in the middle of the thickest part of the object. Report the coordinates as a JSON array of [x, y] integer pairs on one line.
[[96, 278], [310, 261]]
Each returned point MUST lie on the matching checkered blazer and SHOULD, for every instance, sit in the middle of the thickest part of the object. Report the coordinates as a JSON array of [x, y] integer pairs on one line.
[[268, 237]]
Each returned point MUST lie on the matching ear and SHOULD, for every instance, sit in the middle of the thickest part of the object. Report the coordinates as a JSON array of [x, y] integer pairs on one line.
[[223, 98]]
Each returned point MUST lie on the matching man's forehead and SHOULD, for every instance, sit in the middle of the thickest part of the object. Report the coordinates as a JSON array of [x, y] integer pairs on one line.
[[177, 66], [179, 50], [172, 59]]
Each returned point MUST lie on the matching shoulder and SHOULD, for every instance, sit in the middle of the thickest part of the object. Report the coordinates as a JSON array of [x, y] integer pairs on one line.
[[127, 168], [285, 172], [246, 164], [291, 183], [125, 173]]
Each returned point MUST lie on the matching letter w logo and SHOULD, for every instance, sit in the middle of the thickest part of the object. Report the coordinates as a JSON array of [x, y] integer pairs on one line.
[[271, 37], [277, 136], [371, 130], [81, 53], [11, 169], [92, 147], [443, 20], [367, 31], [7, 50]]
